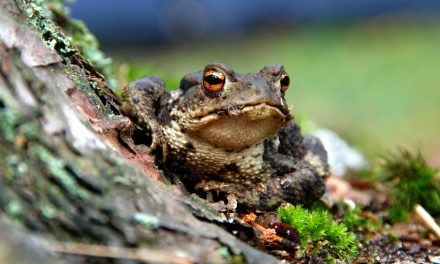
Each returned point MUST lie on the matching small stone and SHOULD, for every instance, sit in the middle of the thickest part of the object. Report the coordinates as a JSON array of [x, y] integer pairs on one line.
[[426, 243], [411, 237], [412, 249], [434, 259]]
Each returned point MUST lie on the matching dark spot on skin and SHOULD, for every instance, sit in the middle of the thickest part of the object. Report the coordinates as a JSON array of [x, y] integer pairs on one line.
[[176, 159], [136, 100], [164, 117], [291, 141], [257, 92], [264, 199], [183, 130], [231, 167], [306, 189], [224, 97], [214, 177], [231, 78], [190, 146], [306, 185]]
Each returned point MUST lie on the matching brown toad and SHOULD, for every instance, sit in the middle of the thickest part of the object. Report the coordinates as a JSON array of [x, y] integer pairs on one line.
[[232, 134]]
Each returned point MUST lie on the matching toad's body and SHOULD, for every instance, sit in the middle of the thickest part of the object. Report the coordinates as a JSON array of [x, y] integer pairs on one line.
[[231, 133]]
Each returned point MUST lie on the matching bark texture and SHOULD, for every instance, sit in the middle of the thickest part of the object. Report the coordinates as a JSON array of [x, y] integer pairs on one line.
[[68, 179]]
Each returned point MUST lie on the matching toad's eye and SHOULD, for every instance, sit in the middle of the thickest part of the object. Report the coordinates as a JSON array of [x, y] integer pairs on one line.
[[213, 80], [284, 82]]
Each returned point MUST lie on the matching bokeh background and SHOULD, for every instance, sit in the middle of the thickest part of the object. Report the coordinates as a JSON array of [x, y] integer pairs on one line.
[[369, 70]]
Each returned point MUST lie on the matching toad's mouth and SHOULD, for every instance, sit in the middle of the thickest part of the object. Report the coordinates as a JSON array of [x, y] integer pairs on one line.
[[236, 129], [233, 110]]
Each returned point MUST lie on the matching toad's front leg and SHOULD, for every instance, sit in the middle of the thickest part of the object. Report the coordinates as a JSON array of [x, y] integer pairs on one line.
[[296, 178], [141, 99], [302, 185]]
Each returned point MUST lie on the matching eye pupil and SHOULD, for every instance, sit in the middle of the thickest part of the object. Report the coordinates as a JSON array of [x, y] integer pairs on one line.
[[284, 81], [213, 80]]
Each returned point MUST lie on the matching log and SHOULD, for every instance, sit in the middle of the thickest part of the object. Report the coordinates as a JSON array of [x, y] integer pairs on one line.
[[71, 178]]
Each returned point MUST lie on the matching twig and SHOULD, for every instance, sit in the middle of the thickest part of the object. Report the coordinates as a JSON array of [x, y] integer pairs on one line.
[[426, 219], [268, 234], [148, 255]]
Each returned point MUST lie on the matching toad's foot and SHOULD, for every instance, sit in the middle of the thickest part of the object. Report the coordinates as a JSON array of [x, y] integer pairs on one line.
[[262, 196], [140, 100], [304, 185]]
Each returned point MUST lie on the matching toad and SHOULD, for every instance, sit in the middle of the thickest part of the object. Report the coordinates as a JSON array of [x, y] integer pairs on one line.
[[231, 135]]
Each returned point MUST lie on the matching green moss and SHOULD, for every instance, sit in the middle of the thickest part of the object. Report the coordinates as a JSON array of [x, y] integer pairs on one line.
[[412, 183], [361, 222], [319, 232]]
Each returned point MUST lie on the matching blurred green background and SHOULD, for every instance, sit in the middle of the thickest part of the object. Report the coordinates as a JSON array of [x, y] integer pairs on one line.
[[374, 80], [377, 84]]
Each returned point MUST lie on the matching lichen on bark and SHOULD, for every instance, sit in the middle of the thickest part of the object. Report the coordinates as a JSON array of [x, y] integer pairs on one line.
[[50, 17]]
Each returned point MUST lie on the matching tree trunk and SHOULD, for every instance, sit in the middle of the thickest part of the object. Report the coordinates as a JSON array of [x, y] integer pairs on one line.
[[71, 181]]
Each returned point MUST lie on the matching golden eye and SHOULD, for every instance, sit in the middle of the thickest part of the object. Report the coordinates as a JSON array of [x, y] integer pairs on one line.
[[284, 81], [213, 80]]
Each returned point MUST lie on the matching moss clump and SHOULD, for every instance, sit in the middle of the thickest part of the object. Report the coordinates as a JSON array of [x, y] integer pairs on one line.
[[412, 183], [319, 233], [362, 222]]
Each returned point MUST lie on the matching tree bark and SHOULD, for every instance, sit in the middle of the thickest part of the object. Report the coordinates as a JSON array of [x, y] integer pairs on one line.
[[69, 178]]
